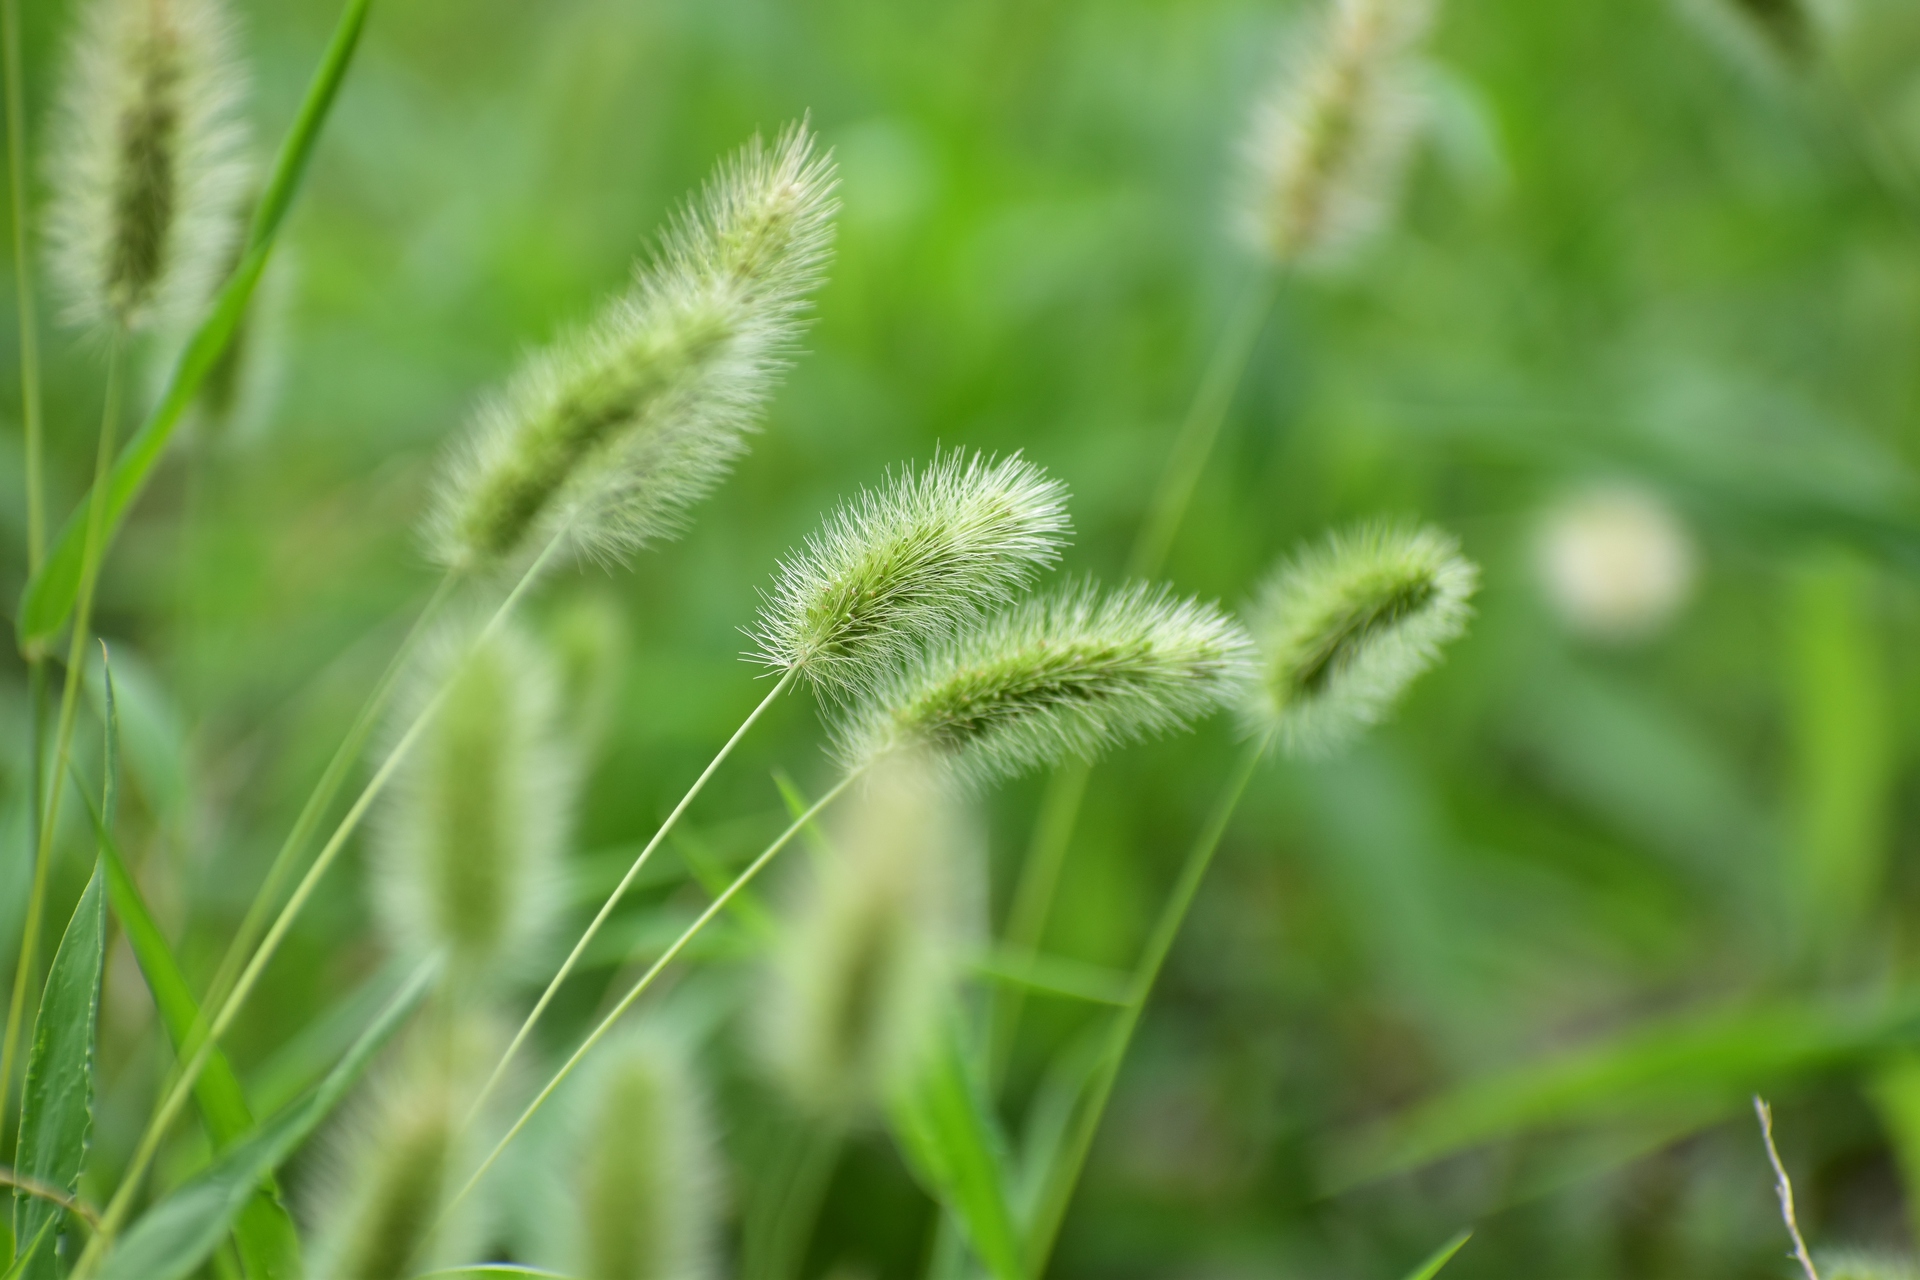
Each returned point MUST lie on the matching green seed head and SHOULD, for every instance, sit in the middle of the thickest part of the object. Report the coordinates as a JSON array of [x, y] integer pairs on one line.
[[144, 162], [467, 853], [1329, 145], [608, 436], [869, 945], [910, 560], [1345, 626], [1069, 674]]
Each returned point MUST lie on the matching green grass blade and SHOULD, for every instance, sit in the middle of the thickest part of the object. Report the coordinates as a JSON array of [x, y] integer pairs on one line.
[[269, 1244], [56, 1116], [951, 1142], [50, 592], [1441, 1257], [176, 1235], [18, 1270]]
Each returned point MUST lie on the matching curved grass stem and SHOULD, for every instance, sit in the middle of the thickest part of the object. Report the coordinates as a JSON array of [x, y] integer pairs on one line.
[[1057, 1192], [646, 980], [195, 1058], [619, 892], [49, 820]]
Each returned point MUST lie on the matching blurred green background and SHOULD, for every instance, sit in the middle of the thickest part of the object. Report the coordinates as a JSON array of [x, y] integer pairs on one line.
[[1517, 961]]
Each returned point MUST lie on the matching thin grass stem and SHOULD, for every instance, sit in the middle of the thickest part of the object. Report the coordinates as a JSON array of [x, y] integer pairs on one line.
[[69, 706], [322, 796], [1067, 788], [619, 892], [639, 988], [1065, 1175], [196, 1059], [23, 284]]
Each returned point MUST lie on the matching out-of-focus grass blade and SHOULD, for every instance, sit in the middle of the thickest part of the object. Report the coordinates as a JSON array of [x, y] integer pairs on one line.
[[491, 1269], [308, 1056], [1055, 976], [50, 592], [18, 1270], [1705, 1064], [175, 1236], [1895, 1091], [940, 1119], [1441, 1257], [56, 1115]]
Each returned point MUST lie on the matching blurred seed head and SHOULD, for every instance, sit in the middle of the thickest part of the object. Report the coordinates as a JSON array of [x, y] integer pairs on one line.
[[466, 856], [866, 963], [1616, 562], [910, 560], [394, 1158], [1068, 674], [590, 641], [144, 161], [611, 434], [1329, 146], [1855, 1265], [643, 1197], [1346, 625]]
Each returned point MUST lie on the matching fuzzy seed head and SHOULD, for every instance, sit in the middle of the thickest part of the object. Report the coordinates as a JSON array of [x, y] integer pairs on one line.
[[467, 853], [145, 161], [1616, 562], [1068, 674], [910, 560], [1329, 146], [869, 947], [1345, 626], [645, 1200], [609, 435], [391, 1162]]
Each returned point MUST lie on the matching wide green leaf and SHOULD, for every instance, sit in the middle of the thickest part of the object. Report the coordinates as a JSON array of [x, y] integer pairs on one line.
[[50, 592], [176, 1235], [1441, 1257], [951, 1142], [56, 1116]]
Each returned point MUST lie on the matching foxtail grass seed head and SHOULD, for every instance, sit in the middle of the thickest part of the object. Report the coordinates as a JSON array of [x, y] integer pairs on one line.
[[144, 162], [867, 959], [1072, 673], [467, 852], [612, 433], [1345, 626], [910, 560], [387, 1170], [1616, 562], [1328, 149], [643, 1188]]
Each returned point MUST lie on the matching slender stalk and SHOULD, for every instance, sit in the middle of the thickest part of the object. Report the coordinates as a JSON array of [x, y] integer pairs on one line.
[[52, 1195], [196, 1060], [1065, 1175], [318, 801], [1067, 789], [639, 988], [69, 707], [619, 892]]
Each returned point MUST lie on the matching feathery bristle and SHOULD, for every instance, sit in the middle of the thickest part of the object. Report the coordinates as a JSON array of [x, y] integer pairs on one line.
[[645, 1198], [868, 951], [470, 840], [610, 435], [1069, 674], [1329, 147], [907, 561], [1345, 626], [144, 163]]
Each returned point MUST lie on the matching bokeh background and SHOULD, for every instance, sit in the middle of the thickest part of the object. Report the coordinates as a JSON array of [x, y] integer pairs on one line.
[[1644, 336]]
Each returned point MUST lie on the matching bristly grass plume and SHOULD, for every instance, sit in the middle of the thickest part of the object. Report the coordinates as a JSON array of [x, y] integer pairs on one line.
[[1344, 626], [469, 846], [869, 945], [1068, 674], [145, 160], [645, 1193], [611, 433], [1329, 146], [910, 560]]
